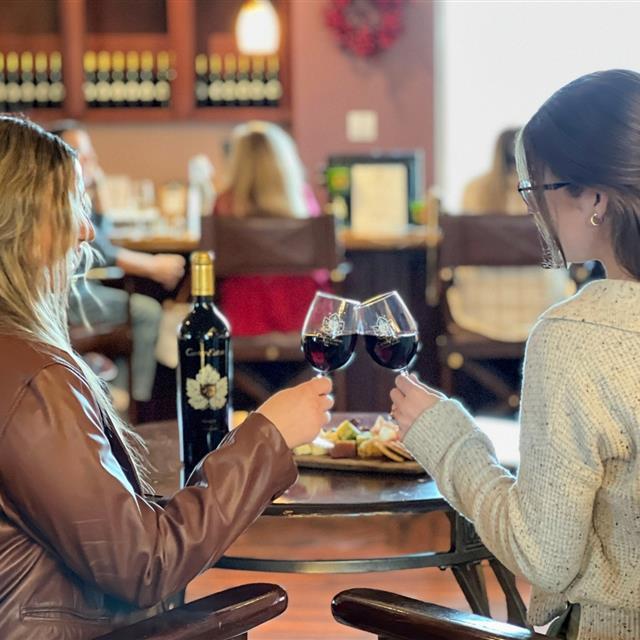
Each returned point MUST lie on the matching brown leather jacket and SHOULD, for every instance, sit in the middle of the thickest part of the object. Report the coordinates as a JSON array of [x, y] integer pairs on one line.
[[81, 551]]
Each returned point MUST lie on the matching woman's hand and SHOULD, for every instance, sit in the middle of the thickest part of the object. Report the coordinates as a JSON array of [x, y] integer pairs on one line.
[[300, 412], [410, 399]]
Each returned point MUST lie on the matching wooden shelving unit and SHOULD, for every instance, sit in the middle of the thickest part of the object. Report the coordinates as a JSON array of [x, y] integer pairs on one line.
[[182, 27]]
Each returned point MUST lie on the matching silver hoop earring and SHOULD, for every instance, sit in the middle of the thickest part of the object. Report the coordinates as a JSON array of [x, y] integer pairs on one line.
[[596, 220]]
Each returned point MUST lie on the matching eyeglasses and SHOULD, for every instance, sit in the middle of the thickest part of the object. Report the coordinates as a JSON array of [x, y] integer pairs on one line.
[[528, 192]]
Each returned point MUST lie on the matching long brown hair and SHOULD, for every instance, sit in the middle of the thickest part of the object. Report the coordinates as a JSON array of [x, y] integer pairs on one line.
[[588, 134], [41, 188]]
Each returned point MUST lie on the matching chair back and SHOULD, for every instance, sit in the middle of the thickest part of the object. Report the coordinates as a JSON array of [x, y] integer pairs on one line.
[[492, 240], [257, 245]]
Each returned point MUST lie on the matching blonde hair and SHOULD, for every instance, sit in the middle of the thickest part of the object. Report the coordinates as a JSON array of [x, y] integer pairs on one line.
[[42, 189], [266, 174]]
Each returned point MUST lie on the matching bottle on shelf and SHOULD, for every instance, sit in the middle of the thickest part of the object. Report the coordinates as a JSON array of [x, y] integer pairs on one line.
[[229, 88], [201, 85], [56, 82], [89, 87], [103, 86], [163, 80], [216, 83], [118, 86], [13, 82], [273, 86], [257, 81], [27, 84], [132, 85], [41, 79], [243, 83], [147, 80], [204, 369]]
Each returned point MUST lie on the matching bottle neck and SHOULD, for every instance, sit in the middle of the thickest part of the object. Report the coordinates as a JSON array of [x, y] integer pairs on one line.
[[202, 283], [202, 301]]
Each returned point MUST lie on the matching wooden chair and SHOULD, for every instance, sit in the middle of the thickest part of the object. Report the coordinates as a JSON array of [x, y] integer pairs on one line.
[[390, 616], [262, 246], [495, 240], [228, 615], [112, 340]]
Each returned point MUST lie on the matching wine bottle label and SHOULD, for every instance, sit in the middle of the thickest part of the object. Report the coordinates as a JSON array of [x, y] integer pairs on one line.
[[202, 92], [147, 91], [273, 90], [56, 92], [13, 93], [118, 91], [103, 91], [216, 91], [257, 91], [243, 90], [162, 91], [28, 92], [208, 390], [132, 89], [42, 92], [90, 91], [229, 91]]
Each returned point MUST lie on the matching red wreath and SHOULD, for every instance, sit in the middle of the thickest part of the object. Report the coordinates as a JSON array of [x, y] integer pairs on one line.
[[366, 27]]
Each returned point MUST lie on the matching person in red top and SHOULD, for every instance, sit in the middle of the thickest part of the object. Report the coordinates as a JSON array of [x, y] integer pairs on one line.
[[266, 178]]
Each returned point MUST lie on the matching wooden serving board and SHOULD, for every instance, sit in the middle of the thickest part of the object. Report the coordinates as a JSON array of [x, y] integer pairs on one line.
[[359, 464]]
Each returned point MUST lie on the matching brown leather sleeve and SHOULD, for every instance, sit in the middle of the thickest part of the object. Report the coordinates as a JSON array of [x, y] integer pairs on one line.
[[68, 491]]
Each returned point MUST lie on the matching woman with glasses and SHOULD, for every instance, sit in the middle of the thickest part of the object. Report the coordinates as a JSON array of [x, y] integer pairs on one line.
[[569, 522]]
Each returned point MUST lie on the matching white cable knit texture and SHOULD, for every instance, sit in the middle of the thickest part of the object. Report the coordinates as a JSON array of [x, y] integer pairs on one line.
[[570, 521]]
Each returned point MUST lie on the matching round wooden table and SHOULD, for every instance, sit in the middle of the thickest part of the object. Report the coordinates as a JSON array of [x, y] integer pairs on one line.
[[329, 493]]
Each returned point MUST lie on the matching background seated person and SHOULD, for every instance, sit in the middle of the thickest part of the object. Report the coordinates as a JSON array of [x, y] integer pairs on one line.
[[266, 178], [106, 304], [502, 303]]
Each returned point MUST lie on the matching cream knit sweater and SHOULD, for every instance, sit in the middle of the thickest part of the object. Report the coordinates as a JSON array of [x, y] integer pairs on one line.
[[570, 521]]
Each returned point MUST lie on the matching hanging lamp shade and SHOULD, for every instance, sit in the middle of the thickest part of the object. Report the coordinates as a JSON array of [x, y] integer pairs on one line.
[[257, 28]]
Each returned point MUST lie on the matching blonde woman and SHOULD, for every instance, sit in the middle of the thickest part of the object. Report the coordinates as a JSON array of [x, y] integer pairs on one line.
[[266, 178], [81, 550]]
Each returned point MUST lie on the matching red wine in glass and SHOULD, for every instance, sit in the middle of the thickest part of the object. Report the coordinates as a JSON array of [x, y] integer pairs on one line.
[[394, 353], [326, 354]]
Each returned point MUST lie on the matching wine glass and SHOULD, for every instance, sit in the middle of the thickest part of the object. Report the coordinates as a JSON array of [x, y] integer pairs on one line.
[[390, 331], [330, 332]]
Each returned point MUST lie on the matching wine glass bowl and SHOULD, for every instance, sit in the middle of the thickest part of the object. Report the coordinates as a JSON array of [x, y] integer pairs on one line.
[[390, 331], [330, 332]]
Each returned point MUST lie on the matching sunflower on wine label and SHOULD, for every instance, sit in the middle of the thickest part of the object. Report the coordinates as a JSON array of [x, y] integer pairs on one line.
[[208, 390]]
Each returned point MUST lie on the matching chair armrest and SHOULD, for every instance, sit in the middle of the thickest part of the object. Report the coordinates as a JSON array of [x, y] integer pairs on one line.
[[221, 616], [390, 615]]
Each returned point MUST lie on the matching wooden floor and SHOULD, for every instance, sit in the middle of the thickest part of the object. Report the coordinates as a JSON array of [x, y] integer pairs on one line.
[[308, 616]]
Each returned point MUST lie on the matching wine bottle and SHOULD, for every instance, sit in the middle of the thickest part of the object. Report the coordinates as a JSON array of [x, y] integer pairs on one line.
[[132, 87], [243, 84], [257, 81], [216, 83], [13, 82], [3, 85], [27, 85], [89, 87], [118, 87], [201, 87], [56, 83], [273, 86], [163, 80], [204, 369], [229, 87], [103, 86], [41, 79], [147, 84]]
